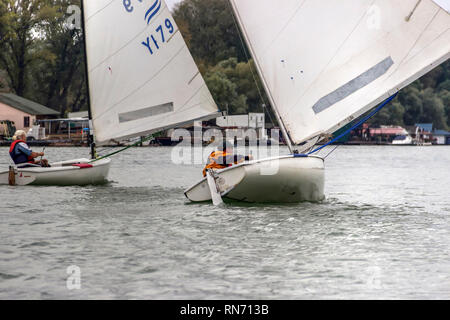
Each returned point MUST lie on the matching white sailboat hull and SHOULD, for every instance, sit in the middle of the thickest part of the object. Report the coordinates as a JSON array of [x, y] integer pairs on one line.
[[278, 180], [61, 174]]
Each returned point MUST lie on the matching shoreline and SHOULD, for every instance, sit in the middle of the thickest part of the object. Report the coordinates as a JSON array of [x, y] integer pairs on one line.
[[85, 145]]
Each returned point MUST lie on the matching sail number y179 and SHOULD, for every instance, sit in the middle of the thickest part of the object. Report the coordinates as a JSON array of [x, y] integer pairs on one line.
[[152, 41]]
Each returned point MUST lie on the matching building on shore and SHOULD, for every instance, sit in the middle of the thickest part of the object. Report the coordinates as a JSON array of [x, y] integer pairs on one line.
[[250, 126], [385, 134], [422, 133], [441, 137], [23, 112], [419, 134], [67, 130], [79, 115], [240, 128]]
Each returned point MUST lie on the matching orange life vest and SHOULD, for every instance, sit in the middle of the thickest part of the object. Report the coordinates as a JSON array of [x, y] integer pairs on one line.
[[214, 163]]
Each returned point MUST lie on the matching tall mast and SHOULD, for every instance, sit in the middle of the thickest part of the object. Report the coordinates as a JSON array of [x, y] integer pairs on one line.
[[263, 79], [91, 127]]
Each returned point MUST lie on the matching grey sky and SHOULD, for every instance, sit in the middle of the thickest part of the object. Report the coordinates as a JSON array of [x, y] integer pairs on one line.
[[171, 3]]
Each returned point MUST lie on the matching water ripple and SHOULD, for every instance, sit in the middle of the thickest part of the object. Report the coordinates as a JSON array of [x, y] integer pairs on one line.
[[382, 232]]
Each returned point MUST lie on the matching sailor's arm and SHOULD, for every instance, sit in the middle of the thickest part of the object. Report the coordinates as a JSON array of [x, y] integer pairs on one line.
[[36, 154], [28, 152]]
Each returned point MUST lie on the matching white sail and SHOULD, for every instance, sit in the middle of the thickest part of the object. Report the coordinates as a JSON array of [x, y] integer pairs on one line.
[[325, 62], [142, 77]]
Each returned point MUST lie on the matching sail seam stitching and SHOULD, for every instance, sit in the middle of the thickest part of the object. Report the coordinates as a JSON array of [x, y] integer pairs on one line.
[[140, 87], [125, 133], [98, 11], [170, 38], [334, 56], [121, 48], [413, 10], [285, 26], [192, 97], [413, 46], [419, 52], [193, 78]]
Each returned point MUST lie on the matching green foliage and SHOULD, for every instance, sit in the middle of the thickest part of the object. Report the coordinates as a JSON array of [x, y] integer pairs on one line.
[[3, 82], [427, 100], [60, 74], [224, 92], [209, 26], [19, 20], [211, 33], [242, 95], [42, 58]]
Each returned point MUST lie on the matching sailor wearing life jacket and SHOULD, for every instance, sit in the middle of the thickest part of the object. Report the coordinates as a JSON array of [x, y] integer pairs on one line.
[[21, 153], [224, 158]]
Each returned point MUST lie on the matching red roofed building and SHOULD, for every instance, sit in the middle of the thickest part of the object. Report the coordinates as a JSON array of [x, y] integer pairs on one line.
[[387, 133]]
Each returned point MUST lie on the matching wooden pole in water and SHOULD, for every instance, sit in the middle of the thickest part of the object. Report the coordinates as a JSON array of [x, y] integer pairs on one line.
[[12, 176]]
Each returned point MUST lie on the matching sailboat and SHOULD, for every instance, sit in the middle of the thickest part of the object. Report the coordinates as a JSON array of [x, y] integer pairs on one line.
[[323, 64], [141, 78]]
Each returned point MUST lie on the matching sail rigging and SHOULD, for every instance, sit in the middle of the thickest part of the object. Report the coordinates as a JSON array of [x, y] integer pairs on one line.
[[142, 77], [326, 62], [91, 138]]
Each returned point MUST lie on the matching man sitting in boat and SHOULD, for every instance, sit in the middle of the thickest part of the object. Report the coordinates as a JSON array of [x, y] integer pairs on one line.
[[21, 153], [224, 158]]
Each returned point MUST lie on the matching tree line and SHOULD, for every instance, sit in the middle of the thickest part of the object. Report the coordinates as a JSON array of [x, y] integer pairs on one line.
[[42, 59]]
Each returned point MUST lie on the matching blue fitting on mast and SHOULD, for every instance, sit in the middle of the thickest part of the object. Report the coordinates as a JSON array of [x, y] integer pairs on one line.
[[300, 155]]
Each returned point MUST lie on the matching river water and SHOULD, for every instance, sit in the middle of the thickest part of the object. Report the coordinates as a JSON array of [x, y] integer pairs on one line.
[[383, 232]]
